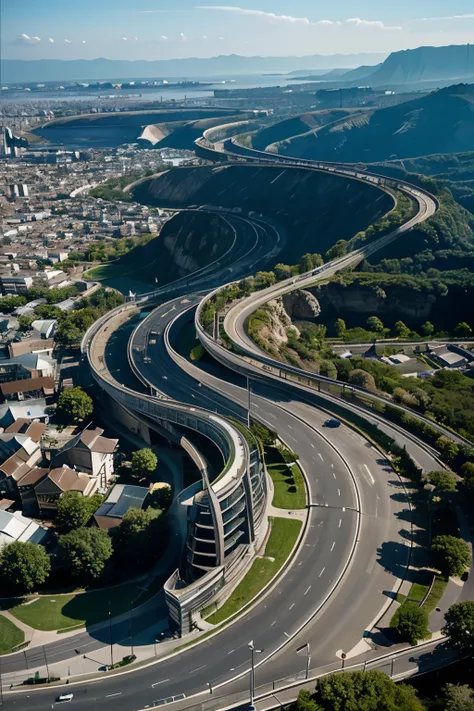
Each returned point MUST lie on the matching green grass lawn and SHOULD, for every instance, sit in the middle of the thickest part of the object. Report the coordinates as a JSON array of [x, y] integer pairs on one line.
[[60, 612], [418, 592], [108, 271], [437, 592], [289, 487], [283, 536], [10, 636]]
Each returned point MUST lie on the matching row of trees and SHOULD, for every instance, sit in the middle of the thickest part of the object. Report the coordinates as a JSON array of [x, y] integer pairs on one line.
[[377, 329]]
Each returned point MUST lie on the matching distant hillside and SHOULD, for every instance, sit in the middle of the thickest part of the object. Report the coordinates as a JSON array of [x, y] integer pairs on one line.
[[454, 62], [294, 126], [46, 70], [441, 122]]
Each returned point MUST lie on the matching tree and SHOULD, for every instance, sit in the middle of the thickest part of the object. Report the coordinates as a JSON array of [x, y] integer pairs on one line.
[[375, 324], [447, 448], [402, 330], [336, 251], [318, 261], [463, 329], [458, 697], [411, 622], [362, 379], [282, 271], [327, 368], [305, 702], [459, 626], [85, 552], [427, 329], [452, 554], [160, 498], [24, 566], [75, 510], [365, 691], [138, 536], [75, 405], [467, 472], [306, 263], [144, 462], [443, 480], [340, 327], [264, 279]]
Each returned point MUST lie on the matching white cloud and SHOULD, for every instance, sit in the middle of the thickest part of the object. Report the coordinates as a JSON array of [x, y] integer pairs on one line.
[[469, 16], [51, 40], [204, 37], [27, 39], [67, 41], [374, 24], [182, 37], [124, 39], [83, 42], [136, 39], [221, 39], [256, 13], [164, 38]]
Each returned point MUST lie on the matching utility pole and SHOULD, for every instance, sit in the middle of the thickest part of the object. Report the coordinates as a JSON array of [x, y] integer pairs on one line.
[[131, 627], [253, 651], [46, 662], [306, 647], [110, 638], [248, 402]]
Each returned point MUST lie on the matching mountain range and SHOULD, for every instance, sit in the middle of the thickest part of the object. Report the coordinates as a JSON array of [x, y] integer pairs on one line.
[[46, 70]]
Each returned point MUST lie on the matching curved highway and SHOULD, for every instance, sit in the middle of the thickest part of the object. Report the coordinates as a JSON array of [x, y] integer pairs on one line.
[[354, 550]]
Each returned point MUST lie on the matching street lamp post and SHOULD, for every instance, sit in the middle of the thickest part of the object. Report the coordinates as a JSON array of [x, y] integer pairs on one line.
[[248, 402], [308, 657], [253, 651]]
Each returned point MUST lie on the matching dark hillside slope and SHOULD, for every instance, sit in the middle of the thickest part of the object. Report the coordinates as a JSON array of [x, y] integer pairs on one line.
[[294, 126], [317, 209], [441, 122]]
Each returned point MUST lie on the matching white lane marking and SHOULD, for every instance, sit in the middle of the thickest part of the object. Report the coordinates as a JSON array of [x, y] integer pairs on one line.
[[372, 480], [338, 492], [322, 571], [109, 696], [257, 406], [286, 634], [290, 427], [307, 591], [291, 606], [312, 445], [332, 547], [332, 466], [334, 475], [293, 438], [231, 651], [320, 456], [159, 682], [198, 669], [340, 521], [273, 623]]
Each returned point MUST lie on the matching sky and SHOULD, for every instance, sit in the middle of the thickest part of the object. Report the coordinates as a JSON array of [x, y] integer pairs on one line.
[[165, 29]]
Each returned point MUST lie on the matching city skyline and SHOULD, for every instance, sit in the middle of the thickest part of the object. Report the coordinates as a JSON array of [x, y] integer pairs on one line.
[[155, 29]]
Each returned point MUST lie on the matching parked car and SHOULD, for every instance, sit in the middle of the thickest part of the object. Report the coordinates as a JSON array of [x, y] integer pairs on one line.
[[64, 698]]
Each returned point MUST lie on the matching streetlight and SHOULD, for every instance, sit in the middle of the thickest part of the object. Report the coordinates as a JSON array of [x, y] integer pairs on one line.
[[253, 651], [248, 402], [308, 656]]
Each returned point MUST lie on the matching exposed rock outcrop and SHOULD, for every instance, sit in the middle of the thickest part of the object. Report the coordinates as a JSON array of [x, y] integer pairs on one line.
[[301, 305], [367, 301]]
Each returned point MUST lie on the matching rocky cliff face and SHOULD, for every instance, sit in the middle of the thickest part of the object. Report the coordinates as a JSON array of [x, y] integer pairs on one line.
[[301, 305], [275, 333], [369, 301]]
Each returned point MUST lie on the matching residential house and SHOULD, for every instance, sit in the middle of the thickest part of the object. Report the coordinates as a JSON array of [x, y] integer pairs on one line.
[[18, 454], [15, 527], [44, 328], [30, 388], [31, 345], [57, 482], [90, 453], [121, 498]]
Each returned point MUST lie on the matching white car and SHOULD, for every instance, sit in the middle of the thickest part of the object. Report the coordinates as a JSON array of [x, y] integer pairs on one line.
[[64, 698]]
